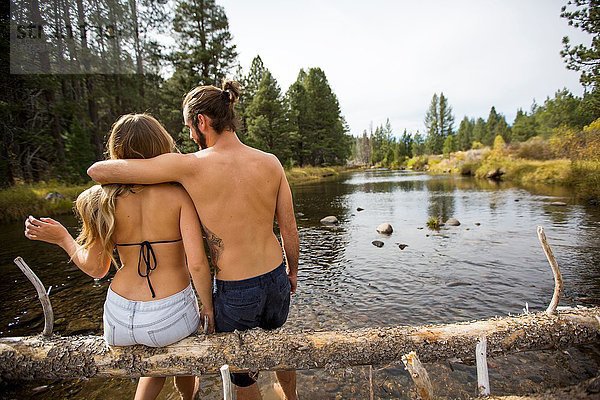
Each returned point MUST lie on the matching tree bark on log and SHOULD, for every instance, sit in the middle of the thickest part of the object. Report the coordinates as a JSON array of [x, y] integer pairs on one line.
[[57, 357]]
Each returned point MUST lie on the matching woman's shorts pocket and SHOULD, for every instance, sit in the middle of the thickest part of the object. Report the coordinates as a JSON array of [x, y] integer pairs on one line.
[[173, 331]]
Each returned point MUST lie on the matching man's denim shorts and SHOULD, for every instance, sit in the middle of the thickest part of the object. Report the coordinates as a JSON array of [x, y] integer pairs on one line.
[[153, 323], [262, 301]]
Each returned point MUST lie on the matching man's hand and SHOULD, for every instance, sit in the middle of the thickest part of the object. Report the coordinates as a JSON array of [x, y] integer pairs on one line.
[[207, 320], [293, 282]]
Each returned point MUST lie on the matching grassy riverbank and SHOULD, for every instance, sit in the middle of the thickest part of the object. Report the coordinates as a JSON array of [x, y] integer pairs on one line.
[[583, 176], [19, 201], [299, 175]]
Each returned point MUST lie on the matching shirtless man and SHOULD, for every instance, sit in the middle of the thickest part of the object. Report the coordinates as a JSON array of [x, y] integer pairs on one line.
[[237, 191]]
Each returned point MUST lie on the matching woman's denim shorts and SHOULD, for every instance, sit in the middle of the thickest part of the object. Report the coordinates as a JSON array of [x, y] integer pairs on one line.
[[153, 323]]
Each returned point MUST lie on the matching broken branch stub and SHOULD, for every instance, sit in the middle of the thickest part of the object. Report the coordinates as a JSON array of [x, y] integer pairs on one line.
[[419, 375], [42, 295], [558, 281]]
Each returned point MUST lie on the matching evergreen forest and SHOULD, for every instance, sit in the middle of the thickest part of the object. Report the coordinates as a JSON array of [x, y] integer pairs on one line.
[[107, 58]]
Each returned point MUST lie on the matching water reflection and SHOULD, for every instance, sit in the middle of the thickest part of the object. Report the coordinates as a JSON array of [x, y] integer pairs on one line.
[[441, 198]]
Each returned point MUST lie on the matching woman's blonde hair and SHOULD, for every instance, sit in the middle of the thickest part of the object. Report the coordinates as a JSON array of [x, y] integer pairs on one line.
[[131, 136]]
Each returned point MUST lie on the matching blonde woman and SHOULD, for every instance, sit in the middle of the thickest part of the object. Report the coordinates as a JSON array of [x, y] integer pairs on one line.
[[158, 236]]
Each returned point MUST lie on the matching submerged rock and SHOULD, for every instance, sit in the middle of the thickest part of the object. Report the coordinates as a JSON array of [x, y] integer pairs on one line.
[[458, 283], [558, 204], [385, 228], [453, 222], [377, 243], [330, 220]]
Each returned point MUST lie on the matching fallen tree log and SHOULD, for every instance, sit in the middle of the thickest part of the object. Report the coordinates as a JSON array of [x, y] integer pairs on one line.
[[36, 357]]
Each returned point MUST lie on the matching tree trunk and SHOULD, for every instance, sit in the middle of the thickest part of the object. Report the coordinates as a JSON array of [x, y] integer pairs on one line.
[[88, 356]]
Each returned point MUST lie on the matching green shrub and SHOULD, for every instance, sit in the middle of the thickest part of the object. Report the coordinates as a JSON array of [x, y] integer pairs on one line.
[[417, 163], [434, 223]]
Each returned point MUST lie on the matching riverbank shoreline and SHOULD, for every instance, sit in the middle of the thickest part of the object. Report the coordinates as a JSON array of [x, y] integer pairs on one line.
[[582, 177], [56, 198]]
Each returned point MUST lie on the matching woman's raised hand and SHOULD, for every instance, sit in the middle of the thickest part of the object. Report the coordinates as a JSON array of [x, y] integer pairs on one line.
[[46, 230]]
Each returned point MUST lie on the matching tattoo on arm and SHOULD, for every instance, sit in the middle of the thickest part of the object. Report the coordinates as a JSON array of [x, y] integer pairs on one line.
[[215, 248]]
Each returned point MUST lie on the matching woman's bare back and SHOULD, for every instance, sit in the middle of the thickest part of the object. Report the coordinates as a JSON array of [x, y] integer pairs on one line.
[[150, 214]]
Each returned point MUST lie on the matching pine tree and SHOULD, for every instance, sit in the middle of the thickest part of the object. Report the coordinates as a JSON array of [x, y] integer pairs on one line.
[[439, 123], [432, 120], [405, 144], [562, 110], [464, 136], [254, 77], [449, 145], [324, 139], [299, 117], [267, 127], [205, 54], [586, 16], [524, 127], [418, 145], [250, 85], [479, 131]]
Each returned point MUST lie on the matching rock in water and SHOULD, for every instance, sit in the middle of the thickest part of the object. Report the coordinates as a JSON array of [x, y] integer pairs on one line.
[[495, 174], [402, 246], [377, 243], [359, 209], [386, 229], [54, 196], [453, 222], [458, 283], [330, 220]]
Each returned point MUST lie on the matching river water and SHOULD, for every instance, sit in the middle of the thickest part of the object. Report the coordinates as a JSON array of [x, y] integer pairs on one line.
[[490, 265]]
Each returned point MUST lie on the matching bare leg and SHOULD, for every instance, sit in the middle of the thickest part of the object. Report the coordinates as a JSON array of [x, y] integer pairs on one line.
[[287, 384], [185, 385], [248, 393], [148, 388]]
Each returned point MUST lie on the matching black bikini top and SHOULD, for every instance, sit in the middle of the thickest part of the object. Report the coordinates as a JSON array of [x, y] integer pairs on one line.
[[147, 254]]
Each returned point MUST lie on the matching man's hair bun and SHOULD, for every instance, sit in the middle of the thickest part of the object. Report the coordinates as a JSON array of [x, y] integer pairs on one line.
[[232, 87]]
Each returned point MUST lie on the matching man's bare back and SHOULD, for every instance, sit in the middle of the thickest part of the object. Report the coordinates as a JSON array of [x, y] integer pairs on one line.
[[235, 191]]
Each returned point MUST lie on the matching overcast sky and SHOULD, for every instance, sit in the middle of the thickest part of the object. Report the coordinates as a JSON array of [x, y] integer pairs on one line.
[[385, 59]]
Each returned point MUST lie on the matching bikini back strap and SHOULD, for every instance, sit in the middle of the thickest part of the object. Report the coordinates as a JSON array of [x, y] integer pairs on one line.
[[155, 242], [148, 257]]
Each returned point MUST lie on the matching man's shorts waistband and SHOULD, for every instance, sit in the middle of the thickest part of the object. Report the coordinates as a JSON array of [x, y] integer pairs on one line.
[[254, 281]]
